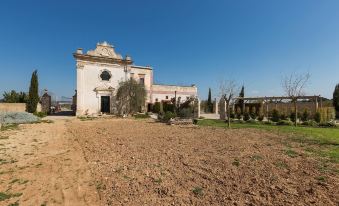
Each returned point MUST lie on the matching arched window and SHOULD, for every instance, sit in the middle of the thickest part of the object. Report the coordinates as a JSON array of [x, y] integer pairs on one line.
[[105, 76]]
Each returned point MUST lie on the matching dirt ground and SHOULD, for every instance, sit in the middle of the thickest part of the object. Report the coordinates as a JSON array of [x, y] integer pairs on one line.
[[40, 165], [147, 163], [141, 162]]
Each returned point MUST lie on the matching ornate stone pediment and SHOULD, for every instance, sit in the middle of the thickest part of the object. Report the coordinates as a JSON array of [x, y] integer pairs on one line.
[[104, 88], [104, 50]]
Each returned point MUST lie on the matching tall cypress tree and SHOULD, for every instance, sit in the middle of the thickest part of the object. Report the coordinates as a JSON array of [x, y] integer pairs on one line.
[[241, 101], [336, 98], [209, 101], [33, 95]]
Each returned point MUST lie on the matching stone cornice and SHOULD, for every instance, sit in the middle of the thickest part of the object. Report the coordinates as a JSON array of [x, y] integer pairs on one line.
[[108, 60]]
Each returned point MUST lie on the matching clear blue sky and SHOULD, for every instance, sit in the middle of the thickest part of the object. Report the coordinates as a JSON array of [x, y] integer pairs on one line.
[[254, 42]]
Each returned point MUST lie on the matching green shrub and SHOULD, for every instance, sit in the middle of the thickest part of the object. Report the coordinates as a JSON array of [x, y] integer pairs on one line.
[[239, 121], [156, 107], [232, 115], [317, 117], [185, 112], [253, 115], [246, 116], [40, 114], [311, 123], [328, 124], [292, 116], [326, 114], [269, 123], [305, 116], [238, 115], [285, 122], [275, 116], [252, 121], [168, 115], [261, 118], [141, 116], [283, 116], [169, 107]]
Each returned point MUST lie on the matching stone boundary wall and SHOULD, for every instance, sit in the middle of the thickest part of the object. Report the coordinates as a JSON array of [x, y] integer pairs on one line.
[[15, 107]]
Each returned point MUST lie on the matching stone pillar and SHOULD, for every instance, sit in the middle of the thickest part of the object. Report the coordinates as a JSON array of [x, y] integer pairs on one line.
[[196, 108], [80, 89], [222, 112], [46, 102], [215, 106]]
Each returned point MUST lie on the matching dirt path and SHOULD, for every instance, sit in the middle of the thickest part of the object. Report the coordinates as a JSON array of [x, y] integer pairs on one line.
[[41, 165]]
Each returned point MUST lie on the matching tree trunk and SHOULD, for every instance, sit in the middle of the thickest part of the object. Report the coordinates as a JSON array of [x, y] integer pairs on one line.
[[296, 112], [229, 116]]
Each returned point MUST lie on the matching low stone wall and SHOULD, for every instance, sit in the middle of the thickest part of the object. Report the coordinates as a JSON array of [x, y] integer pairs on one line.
[[12, 107], [15, 107]]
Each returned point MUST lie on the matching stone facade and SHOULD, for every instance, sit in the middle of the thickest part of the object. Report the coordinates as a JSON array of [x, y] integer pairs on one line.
[[46, 102], [99, 72]]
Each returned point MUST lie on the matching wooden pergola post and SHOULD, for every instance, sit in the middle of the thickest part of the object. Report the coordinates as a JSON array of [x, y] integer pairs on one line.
[[243, 106]]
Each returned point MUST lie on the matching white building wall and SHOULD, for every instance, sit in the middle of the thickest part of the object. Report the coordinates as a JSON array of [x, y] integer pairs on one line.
[[159, 92], [145, 72], [90, 87], [89, 79]]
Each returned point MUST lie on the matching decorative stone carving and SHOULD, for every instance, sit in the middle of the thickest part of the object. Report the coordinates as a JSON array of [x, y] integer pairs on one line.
[[104, 50], [80, 65], [104, 88]]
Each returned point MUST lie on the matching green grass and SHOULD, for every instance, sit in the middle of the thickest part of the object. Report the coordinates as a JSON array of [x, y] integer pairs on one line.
[[158, 180], [9, 127], [86, 118], [14, 204], [256, 158], [198, 191], [281, 165], [327, 139], [5, 196], [141, 116], [291, 153], [19, 181], [236, 162]]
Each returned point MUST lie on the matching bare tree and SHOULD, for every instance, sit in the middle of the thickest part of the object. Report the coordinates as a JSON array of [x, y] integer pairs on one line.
[[294, 85], [227, 91]]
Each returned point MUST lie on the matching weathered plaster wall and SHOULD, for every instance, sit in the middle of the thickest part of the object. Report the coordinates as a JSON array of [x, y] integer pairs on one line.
[[89, 79], [159, 92], [15, 107]]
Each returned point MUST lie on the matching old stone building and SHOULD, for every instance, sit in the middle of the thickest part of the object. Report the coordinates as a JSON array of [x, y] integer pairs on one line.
[[99, 72]]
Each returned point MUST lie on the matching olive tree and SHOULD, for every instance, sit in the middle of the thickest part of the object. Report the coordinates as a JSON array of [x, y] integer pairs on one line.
[[228, 89], [130, 97], [293, 86]]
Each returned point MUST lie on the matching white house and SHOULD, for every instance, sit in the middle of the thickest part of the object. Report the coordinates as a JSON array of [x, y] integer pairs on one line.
[[99, 72]]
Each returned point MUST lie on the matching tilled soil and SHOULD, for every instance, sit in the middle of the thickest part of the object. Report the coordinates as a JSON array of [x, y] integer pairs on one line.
[[138, 162]]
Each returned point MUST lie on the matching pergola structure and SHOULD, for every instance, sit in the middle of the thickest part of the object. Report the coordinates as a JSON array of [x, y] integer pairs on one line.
[[265, 101]]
